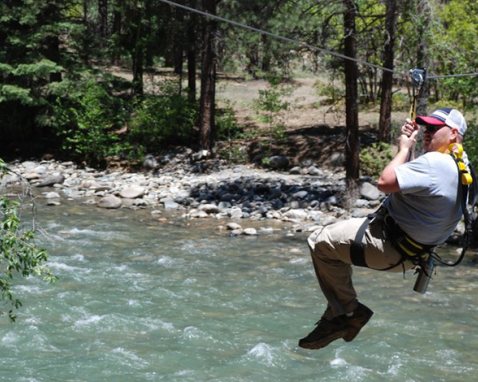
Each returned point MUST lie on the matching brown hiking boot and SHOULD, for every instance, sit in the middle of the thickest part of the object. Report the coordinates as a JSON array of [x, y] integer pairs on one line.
[[357, 321], [325, 332]]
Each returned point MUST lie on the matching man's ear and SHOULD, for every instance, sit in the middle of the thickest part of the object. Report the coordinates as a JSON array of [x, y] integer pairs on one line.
[[454, 134]]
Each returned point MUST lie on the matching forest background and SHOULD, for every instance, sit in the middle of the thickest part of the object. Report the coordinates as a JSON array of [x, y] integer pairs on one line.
[[61, 92]]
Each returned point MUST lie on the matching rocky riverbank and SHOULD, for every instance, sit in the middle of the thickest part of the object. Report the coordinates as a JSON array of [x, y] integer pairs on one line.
[[307, 196]]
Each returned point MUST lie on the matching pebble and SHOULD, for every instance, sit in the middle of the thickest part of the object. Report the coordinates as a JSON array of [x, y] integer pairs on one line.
[[306, 195]]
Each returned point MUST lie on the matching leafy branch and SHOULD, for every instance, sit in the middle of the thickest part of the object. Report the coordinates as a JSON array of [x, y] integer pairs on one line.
[[19, 255]]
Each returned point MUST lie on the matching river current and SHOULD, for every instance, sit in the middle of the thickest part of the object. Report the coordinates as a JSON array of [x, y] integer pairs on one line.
[[141, 300]]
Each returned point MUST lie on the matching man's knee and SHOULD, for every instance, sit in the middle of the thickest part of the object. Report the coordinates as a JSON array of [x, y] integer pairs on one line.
[[320, 241]]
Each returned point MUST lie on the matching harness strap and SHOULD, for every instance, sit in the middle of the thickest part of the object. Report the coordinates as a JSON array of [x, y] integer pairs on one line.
[[409, 248], [357, 253]]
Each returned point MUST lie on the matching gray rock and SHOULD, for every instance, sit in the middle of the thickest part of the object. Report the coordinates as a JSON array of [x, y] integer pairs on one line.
[[132, 192], [337, 159], [31, 176], [278, 162], [150, 162], [369, 191], [296, 214], [110, 202], [197, 214], [236, 213], [39, 169], [361, 203], [312, 170], [51, 180], [52, 195], [209, 208], [169, 204], [224, 205], [250, 232], [200, 155], [233, 226], [300, 194]]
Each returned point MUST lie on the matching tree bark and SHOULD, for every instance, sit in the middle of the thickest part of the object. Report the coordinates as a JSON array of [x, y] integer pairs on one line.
[[191, 57], [352, 146], [178, 43], [51, 42], [423, 26], [137, 51], [103, 19], [208, 80], [385, 118], [116, 28]]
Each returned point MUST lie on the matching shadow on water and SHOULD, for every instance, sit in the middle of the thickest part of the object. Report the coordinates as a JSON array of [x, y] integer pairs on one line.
[[139, 300]]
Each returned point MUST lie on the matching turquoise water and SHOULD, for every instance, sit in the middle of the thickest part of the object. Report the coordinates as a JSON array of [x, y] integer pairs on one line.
[[139, 300]]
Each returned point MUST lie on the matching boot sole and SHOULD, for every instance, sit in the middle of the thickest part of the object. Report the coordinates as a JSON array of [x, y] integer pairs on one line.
[[354, 331], [323, 342]]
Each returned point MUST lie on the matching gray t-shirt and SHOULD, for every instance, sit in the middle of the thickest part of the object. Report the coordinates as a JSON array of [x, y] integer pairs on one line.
[[428, 206]]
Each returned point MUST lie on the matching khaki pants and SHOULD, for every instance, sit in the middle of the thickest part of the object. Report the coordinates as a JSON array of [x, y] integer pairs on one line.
[[330, 249]]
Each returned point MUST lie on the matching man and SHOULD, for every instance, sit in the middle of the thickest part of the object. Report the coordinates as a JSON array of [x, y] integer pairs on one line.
[[422, 210]]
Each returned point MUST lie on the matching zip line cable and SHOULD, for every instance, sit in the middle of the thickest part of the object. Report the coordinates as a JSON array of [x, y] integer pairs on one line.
[[304, 44]]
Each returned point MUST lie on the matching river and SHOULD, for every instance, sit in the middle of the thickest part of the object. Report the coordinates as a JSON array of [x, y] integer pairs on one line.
[[141, 300]]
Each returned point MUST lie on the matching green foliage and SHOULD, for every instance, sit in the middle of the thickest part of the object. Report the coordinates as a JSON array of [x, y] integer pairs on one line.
[[470, 144], [19, 255], [226, 124], [270, 104], [331, 91], [374, 158], [234, 153], [160, 120], [85, 116], [16, 93], [400, 101]]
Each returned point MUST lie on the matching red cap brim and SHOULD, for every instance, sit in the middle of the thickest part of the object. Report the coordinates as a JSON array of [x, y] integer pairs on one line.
[[424, 120]]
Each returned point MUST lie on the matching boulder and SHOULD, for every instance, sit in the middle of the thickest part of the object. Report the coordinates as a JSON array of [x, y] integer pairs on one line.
[[51, 180], [278, 162], [369, 191], [110, 202], [132, 192]]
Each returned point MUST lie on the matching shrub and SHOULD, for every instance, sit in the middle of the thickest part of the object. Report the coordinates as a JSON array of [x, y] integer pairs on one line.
[[374, 158], [331, 92], [270, 104], [400, 101], [470, 144], [159, 120], [226, 124], [85, 117]]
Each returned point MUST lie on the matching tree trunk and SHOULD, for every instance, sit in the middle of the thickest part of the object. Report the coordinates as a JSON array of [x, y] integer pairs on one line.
[[116, 28], [52, 52], [208, 80], [351, 102], [191, 57], [385, 118], [178, 43], [51, 43], [103, 19], [137, 52], [424, 11]]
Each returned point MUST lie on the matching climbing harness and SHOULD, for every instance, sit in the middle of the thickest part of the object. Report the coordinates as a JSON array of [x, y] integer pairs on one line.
[[422, 256], [410, 249]]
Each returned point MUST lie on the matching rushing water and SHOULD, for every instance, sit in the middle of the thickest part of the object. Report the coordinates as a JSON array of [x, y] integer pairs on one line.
[[139, 300]]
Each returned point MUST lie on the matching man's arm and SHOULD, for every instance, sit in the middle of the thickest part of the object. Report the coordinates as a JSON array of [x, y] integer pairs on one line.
[[388, 182]]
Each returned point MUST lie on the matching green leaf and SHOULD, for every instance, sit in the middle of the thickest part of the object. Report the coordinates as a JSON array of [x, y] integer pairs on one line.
[[15, 93]]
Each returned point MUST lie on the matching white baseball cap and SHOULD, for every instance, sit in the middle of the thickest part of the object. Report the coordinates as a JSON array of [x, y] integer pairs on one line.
[[444, 116]]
